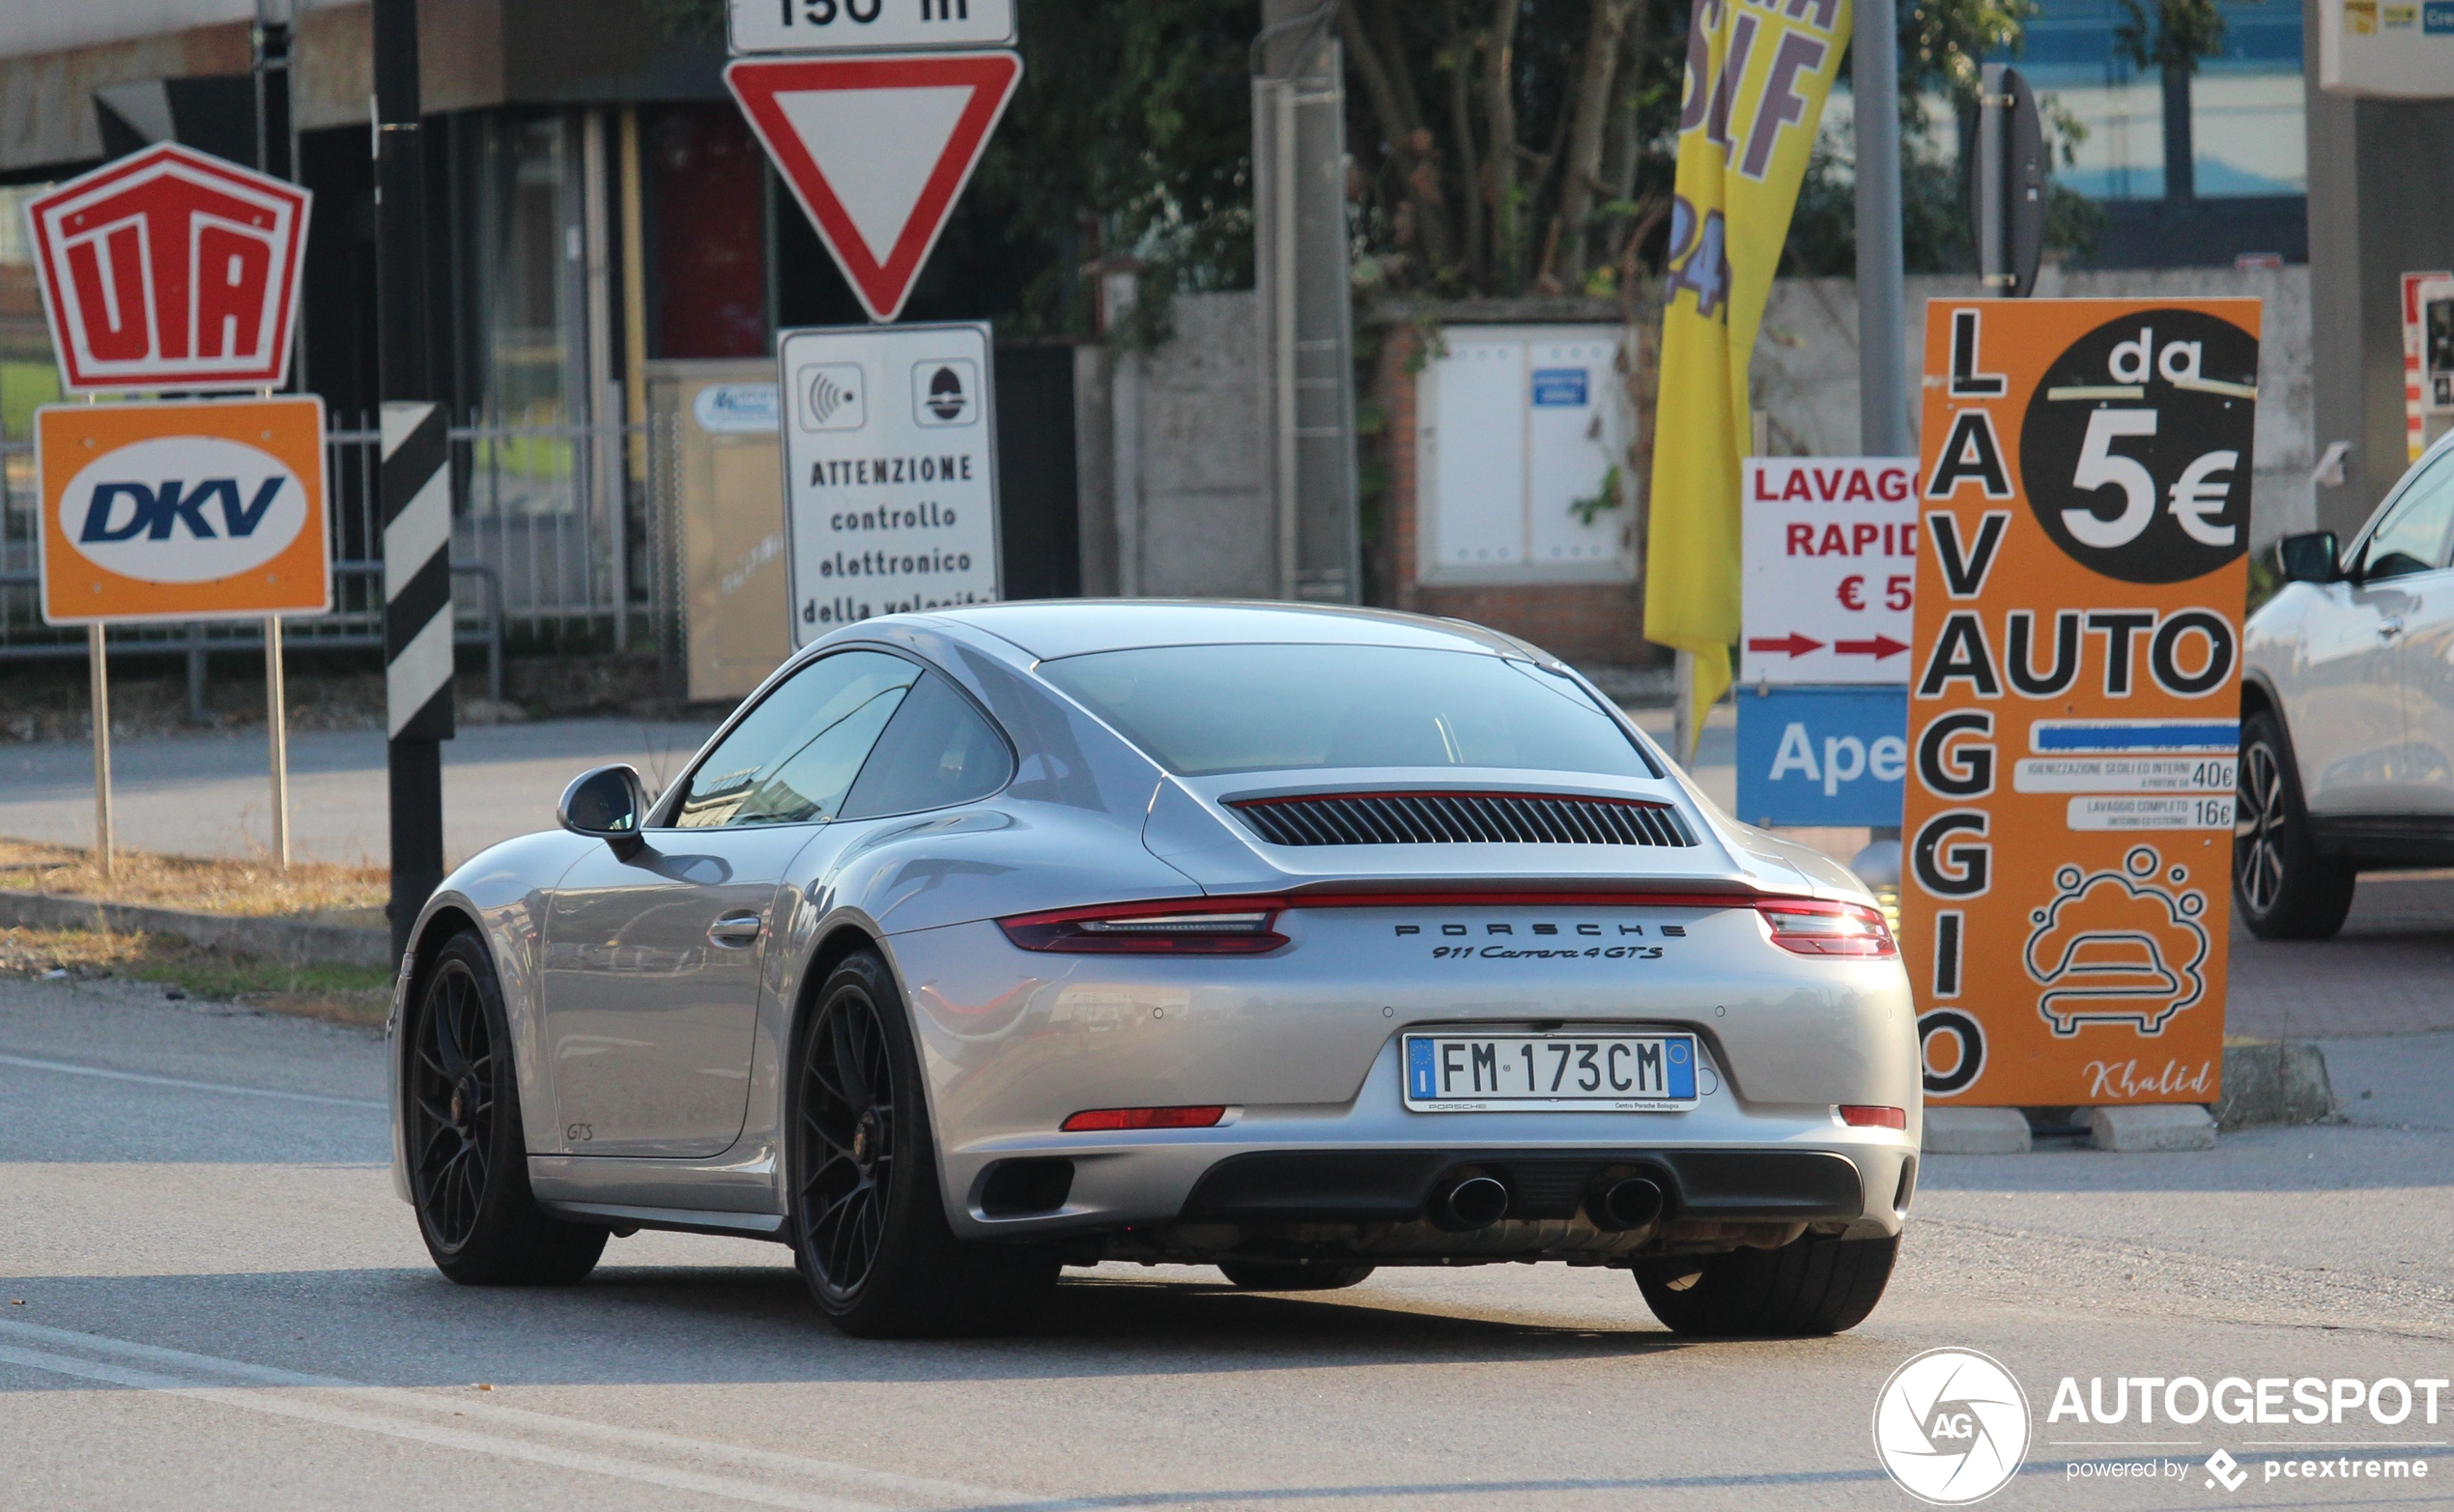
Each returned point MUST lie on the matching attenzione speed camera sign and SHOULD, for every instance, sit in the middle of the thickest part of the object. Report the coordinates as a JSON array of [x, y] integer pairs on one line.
[[890, 452]]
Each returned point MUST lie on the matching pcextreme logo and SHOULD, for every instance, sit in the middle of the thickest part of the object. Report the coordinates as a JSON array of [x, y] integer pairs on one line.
[[183, 511]]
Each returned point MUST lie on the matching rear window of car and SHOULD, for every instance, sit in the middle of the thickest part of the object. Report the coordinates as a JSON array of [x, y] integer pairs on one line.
[[1200, 710]]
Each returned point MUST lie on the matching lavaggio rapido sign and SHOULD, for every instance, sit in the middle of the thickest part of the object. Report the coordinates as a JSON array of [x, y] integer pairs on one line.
[[2075, 698]]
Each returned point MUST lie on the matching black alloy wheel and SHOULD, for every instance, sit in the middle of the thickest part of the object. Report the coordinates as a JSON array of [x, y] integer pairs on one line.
[[1813, 1285], [1291, 1276], [451, 1086], [848, 1130], [2284, 889], [869, 1223], [467, 1153]]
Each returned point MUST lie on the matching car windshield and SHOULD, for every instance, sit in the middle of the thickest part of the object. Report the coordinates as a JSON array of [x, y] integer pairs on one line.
[[1200, 710]]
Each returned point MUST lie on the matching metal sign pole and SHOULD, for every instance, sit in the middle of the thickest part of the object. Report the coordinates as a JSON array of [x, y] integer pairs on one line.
[[1992, 266], [101, 746], [417, 615], [278, 725]]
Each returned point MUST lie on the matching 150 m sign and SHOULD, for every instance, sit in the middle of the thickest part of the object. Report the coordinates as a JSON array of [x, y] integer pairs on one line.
[[2073, 696], [866, 26]]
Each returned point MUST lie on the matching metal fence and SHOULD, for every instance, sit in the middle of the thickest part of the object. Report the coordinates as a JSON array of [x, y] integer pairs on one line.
[[547, 549]]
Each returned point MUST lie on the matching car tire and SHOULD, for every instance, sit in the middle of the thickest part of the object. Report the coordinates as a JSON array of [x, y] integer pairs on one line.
[[2282, 887], [468, 1152], [868, 1225], [1281, 1275], [1812, 1285]]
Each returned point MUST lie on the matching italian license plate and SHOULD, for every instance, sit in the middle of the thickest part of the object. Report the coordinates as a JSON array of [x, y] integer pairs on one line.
[[1542, 1073]]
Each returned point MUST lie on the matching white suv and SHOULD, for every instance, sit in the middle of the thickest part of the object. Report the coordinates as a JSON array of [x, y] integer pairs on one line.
[[2347, 756]]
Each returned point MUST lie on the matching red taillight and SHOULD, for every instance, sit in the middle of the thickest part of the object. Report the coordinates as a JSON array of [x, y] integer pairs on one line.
[[1859, 1115], [1178, 926], [1096, 1119], [1812, 927]]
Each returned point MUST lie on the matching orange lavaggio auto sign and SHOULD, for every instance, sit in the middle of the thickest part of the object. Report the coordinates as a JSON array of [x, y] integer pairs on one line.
[[2075, 696], [211, 509]]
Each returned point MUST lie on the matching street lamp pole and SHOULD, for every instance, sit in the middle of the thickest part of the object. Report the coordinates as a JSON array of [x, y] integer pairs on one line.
[[1883, 400]]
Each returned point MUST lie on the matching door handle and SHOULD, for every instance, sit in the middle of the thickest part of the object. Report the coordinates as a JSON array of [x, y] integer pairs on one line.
[[2390, 627], [736, 931]]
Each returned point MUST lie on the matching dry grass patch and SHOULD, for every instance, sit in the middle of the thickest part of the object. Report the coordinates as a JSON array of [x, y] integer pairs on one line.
[[252, 886], [340, 994]]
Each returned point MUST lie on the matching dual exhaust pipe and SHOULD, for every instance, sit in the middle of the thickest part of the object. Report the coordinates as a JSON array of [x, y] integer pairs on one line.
[[1477, 1201]]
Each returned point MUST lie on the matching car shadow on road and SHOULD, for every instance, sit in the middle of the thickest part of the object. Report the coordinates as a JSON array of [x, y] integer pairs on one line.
[[755, 1324]]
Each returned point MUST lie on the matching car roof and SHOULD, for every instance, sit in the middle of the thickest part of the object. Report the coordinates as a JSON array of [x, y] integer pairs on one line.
[[1053, 628]]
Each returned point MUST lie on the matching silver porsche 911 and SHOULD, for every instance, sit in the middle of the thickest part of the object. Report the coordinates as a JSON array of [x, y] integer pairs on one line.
[[1293, 941]]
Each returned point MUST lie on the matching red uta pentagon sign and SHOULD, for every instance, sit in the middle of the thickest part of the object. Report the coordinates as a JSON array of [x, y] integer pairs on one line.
[[170, 269]]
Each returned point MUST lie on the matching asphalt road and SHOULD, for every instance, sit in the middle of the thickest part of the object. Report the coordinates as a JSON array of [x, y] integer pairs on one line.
[[208, 1296], [211, 795]]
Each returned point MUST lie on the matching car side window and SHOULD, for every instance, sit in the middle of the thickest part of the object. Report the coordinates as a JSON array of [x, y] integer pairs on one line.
[[936, 752], [2411, 537], [794, 757]]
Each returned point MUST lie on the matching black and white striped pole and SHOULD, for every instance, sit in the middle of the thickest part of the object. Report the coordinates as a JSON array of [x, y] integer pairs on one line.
[[416, 482]]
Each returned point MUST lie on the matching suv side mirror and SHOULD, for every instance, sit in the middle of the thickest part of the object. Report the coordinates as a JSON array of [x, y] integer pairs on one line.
[[608, 804], [2309, 558]]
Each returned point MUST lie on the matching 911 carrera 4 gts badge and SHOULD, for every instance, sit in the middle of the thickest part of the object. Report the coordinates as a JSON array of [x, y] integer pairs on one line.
[[1571, 941]]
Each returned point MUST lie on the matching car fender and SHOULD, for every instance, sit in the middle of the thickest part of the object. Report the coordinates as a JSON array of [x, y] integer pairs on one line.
[[503, 890]]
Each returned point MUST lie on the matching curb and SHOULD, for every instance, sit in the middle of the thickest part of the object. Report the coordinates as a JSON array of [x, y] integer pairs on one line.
[[2265, 1081], [2273, 1081], [295, 942]]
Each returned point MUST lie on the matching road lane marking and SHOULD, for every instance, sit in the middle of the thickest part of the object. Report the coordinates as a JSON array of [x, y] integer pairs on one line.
[[911, 1488], [256, 1400], [66, 1069]]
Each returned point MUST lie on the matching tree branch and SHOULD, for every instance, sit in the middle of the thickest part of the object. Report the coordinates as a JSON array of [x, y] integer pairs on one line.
[[1582, 182], [1499, 107], [1405, 134], [1461, 116]]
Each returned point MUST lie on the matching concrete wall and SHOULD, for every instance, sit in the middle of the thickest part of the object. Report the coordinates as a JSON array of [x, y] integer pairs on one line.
[[1174, 503], [1806, 367]]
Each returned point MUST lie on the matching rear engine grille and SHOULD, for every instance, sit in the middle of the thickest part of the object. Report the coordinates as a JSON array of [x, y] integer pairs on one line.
[[1463, 819]]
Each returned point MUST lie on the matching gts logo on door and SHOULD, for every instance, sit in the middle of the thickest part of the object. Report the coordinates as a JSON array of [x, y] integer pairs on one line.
[[580, 1133], [1672, 931]]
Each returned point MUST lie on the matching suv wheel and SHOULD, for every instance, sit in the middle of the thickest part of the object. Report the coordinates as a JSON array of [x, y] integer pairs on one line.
[[2284, 889]]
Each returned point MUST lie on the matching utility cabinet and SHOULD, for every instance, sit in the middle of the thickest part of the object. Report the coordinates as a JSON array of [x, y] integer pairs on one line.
[[1521, 436]]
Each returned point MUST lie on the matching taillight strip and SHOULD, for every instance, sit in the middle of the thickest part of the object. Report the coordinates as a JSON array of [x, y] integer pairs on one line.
[[1076, 931]]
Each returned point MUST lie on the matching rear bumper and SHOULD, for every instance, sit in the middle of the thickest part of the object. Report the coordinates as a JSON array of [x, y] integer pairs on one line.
[[1399, 1185]]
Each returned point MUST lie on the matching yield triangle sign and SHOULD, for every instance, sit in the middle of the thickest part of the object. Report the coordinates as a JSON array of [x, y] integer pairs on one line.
[[876, 150]]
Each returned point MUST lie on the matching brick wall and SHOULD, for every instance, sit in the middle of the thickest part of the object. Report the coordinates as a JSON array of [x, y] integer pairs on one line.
[[1592, 624]]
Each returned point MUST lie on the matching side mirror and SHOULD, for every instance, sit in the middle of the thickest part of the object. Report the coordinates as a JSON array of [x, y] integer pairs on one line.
[[607, 804], [2309, 558]]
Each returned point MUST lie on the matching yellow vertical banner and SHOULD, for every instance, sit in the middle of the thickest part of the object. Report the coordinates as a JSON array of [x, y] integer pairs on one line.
[[1757, 75]]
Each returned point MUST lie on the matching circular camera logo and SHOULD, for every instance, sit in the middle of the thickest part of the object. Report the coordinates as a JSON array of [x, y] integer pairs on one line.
[[1951, 1427]]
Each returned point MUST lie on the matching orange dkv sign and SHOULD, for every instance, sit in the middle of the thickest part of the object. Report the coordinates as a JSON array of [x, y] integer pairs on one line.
[[2075, 696], [210, 509]]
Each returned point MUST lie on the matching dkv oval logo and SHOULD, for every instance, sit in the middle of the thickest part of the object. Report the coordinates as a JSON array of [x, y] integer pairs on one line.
[[183, 509]]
